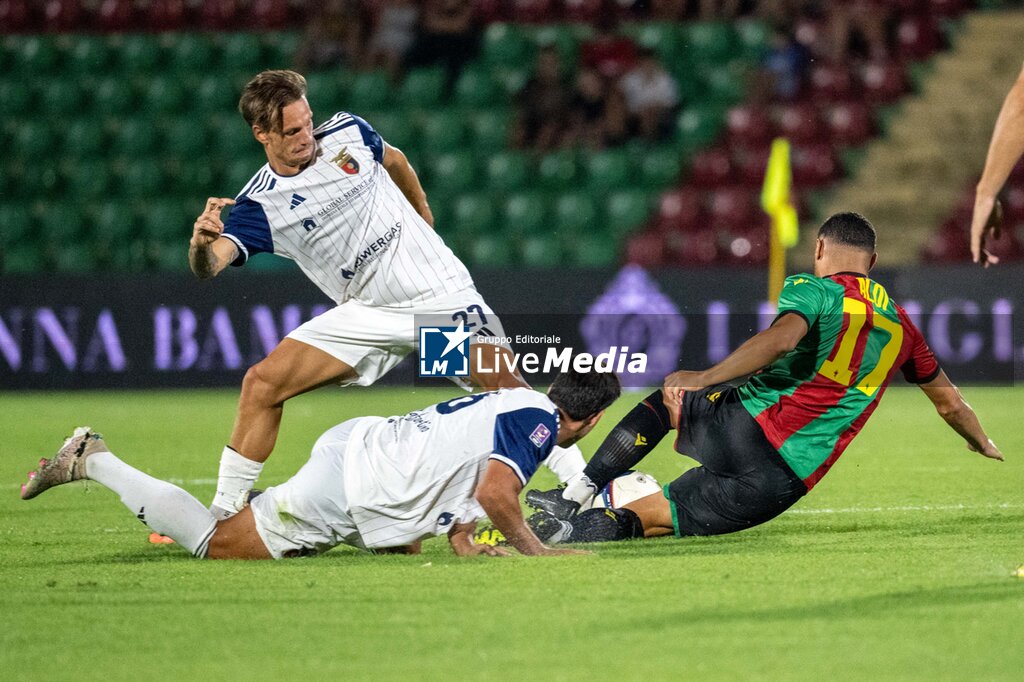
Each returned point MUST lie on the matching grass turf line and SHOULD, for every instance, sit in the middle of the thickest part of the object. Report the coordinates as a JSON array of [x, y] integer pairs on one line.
[[897, 565]]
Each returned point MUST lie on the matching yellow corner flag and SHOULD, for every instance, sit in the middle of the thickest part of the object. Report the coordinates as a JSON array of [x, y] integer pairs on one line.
[[775, 200]]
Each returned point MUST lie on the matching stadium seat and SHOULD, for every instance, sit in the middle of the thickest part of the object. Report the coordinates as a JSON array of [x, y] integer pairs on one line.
[[746, 244], [711, 168], [608, 170], [88, 55], [451, 173], [884, 82], [680, 210], [32, 139], [134, 137], [659, 167], [196, 180], [25, 258], [475, 88], [697, 248], [186, 139], [474, 214], [86, 179], [731, 206], [507, 171], [369, 90], [60, 223], [212, 95], [219, 15], [754, 38], [917, 37], [708, 42], [698, 125], [72, 257], [16, 223], [141, 178], [557, 170], [115, 15], [192, 53], [576, 214], [139, 53], [166, 15], [524, 213], [112, 222], [564, 37], [492, 250], [849, 124], [15, 98], [750, 164], [230, 137], [394, 127], [489, 130], [112, 97], [591, 251], [165, 221], [625, 211], [280, 48], [236, 176], [241, 52], [800, 123], [505, 45], [441, 130], [748, 125], [325, 92], [665, 38], [814, 165], [725, 86], [541, 251], [61, 16], [423, 87], [832, 83], [36, 57], [61, 98], [163, 96], [646, 249], [268, 14], [15, 16]]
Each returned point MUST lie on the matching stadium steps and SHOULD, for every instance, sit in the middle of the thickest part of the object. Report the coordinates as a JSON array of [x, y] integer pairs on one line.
[[909, 180]]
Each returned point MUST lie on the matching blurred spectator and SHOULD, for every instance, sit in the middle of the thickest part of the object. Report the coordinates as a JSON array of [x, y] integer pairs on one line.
[[333, 36], [784, 68], [598, 117], [652, 96], [393, 35], [446, 35], [543, 105], [608, 52]]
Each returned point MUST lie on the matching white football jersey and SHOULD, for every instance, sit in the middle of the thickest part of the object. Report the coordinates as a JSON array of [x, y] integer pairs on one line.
[[346, 223], [414, 476]]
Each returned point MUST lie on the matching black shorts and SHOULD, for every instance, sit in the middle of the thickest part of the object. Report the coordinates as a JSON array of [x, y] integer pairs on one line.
[[742, 480]]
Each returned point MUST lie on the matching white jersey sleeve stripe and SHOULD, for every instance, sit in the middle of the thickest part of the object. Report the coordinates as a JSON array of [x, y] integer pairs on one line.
[[512, 465]]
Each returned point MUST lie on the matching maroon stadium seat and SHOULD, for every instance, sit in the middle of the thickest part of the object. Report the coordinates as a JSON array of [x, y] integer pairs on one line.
[[646, 249], [268, 14], [850, 123], [832, 83], [15, 16], [746, 244], [63, 15], [711, 168], [747, 125], [583, 11], [731, 206], [534, 11], [1013, 203], [800, 123], [115, 15], [679, 210], [691, 248], [946, 9], [814, 165], [949, 244], [166, 15], [218, 15], [488, 11], [883, 82], [917, 37], [750, 164]]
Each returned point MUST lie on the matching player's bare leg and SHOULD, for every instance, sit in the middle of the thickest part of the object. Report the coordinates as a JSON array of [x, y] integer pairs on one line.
[[236, 538], [655, 514], [497, 374], [291, 369]]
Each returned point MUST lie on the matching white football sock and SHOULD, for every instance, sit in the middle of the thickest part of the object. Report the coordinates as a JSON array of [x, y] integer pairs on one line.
[[580, 490], [236, 478], [566, 463], [162, 506]]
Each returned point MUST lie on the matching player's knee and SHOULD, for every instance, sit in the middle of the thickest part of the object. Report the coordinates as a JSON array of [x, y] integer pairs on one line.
[[261, 387]]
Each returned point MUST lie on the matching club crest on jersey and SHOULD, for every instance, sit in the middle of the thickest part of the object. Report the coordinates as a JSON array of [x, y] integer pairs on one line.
[[346, 162], [540, 435]]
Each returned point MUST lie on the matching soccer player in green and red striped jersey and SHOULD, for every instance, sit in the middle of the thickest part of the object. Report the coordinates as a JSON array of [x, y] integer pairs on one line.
[[769, 421]]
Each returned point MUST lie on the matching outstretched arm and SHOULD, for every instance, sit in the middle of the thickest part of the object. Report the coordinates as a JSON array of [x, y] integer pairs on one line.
[[208, 251], [757, 352], [498, 494], [1004, 151], [952, 407], [401, 171]]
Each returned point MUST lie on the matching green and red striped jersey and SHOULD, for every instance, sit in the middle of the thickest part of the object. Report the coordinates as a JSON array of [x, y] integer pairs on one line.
[[812, 402]]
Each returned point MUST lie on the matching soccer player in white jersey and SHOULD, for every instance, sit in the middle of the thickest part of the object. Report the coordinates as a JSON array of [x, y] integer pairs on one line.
[[371, 482], [348, 208]]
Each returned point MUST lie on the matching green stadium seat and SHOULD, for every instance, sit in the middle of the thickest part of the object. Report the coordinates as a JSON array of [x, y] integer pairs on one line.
[[32, 139], [593, 251], [185, 139], [163, 96], [213, 95], [512, 79], [698, 125], [88, 55], [754, 37], [242, 52], [74, 257], [708, 42], [491, 250], [576, 214], [369, 90], [139, 53], [37, 57], [665, 38], [609, 170], [113, 96], [230, 137], [280, 48], [22, 259], [659, 167], [442, 130], [525, 213], [112, 222], [562, 37], [474, 214], [174, 258], [141, 178], [625, 211], [236, 176], [489, 131], [166, 221], [61, 98], [61, 223], [16, 223], [86, 179], [194, 178], [134, 137], [724, 84], [29, 179], [452, 173], [506, 45], [192, 53], [507, 171], [541, 251], [394, 127], [557, 170], [15, 98], [326, 94], [423, 87], [475, 88]]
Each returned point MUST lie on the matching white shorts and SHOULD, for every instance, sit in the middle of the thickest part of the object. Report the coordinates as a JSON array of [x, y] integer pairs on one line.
[[308, 513], [373, 339]]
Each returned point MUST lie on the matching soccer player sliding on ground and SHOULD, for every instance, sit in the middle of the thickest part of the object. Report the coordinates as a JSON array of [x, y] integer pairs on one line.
[[815, 376], [371, 482]]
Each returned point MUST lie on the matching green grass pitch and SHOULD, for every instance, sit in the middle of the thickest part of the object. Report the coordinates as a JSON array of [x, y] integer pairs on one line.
[[899, 565]]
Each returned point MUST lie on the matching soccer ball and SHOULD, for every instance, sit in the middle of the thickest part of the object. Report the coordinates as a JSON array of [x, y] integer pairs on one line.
[[628, 487]]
